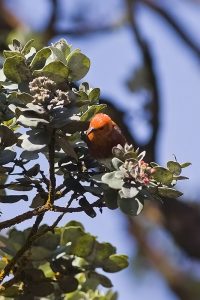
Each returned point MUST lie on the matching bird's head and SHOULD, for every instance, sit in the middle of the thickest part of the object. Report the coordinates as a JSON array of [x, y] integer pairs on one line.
[[100, 125]]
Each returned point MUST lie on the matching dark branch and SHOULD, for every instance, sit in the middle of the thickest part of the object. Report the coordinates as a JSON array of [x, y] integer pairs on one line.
[[167, 17]]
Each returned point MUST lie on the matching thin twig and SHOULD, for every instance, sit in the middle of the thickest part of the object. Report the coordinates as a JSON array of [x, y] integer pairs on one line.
[[52, 178]]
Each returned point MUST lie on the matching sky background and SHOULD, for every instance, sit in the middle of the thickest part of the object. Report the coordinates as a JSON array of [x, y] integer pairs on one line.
[[114, 56]]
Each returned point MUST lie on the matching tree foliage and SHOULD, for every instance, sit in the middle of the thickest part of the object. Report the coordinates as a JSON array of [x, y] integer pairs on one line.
[[44, 114]]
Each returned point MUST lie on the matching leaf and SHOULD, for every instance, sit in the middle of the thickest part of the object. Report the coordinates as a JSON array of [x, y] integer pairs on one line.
[[74, 223], [115, 263], [101, 251], [94, 94], [46, 269], [130, 206], [94, 109], [112, 181], [77, 296], [63, 46], [35, 140], [110, 198], [33, 171], [26, 49], [174, 167], [78, 64], [56, 71], [7, 156], [169, 192], [7, 136], [162, 175], [16, 70], [101, 279], [41, 289], [27, 155], [116, 162], [185, 165], [88, 209], [13, 198], [71, 234], [40, 253], [68, 284], [40, 58], [83, 246], [37, 201], [31, 121], [129, 191], [67, 147]]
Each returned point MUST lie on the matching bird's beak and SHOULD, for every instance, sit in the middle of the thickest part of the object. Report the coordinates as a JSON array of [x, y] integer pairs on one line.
[[90, 130]]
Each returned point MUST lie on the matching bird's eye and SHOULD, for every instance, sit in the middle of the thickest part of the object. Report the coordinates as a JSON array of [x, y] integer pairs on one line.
[[101, 128]]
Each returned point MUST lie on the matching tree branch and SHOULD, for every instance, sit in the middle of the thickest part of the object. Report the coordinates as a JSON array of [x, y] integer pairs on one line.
[[148, 62], [169, 19]]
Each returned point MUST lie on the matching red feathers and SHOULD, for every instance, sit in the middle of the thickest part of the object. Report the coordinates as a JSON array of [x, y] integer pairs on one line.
[[102, 135]]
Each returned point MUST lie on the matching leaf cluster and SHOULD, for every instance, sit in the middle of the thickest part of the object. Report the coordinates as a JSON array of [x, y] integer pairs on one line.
[[63, 263]]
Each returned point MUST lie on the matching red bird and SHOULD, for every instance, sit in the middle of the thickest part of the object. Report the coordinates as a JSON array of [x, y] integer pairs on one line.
[[102, 135]]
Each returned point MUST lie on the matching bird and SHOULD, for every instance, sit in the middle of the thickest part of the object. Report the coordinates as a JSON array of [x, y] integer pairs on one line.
[[102, 135]]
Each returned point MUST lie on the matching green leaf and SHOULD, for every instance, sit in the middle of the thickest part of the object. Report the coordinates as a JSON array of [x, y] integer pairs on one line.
[[33, 171], [169, 192], [7, 136], [46, 269], [93, 110], [67, 147], [112, 181], [83, 246], [110, 198], [13, 198], [31, 121], [41, 289], [101, 279], [40, 253], [40, 58], [129, 191], [56, 71], [78, 65], [130, 206], [77, 296], [16, 70], [74, 223], [101, 251], [185, 165], [26, 49], [94, 94], [68, 284], [11, 292], [115, 263], [63, 46], [27, 155], [37, 201], [7, 156], [163, 175], [116, 162], [174, 167], [71, 234], [35, 140]]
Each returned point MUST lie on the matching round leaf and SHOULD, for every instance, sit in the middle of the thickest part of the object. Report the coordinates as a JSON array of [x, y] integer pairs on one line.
[[78, 64], [163, 175], [112, 181], [16, 70], [174, 167], [130, 206], [115, 263]]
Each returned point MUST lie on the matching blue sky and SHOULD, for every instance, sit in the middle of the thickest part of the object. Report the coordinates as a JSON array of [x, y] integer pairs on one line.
[[113, 57]]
